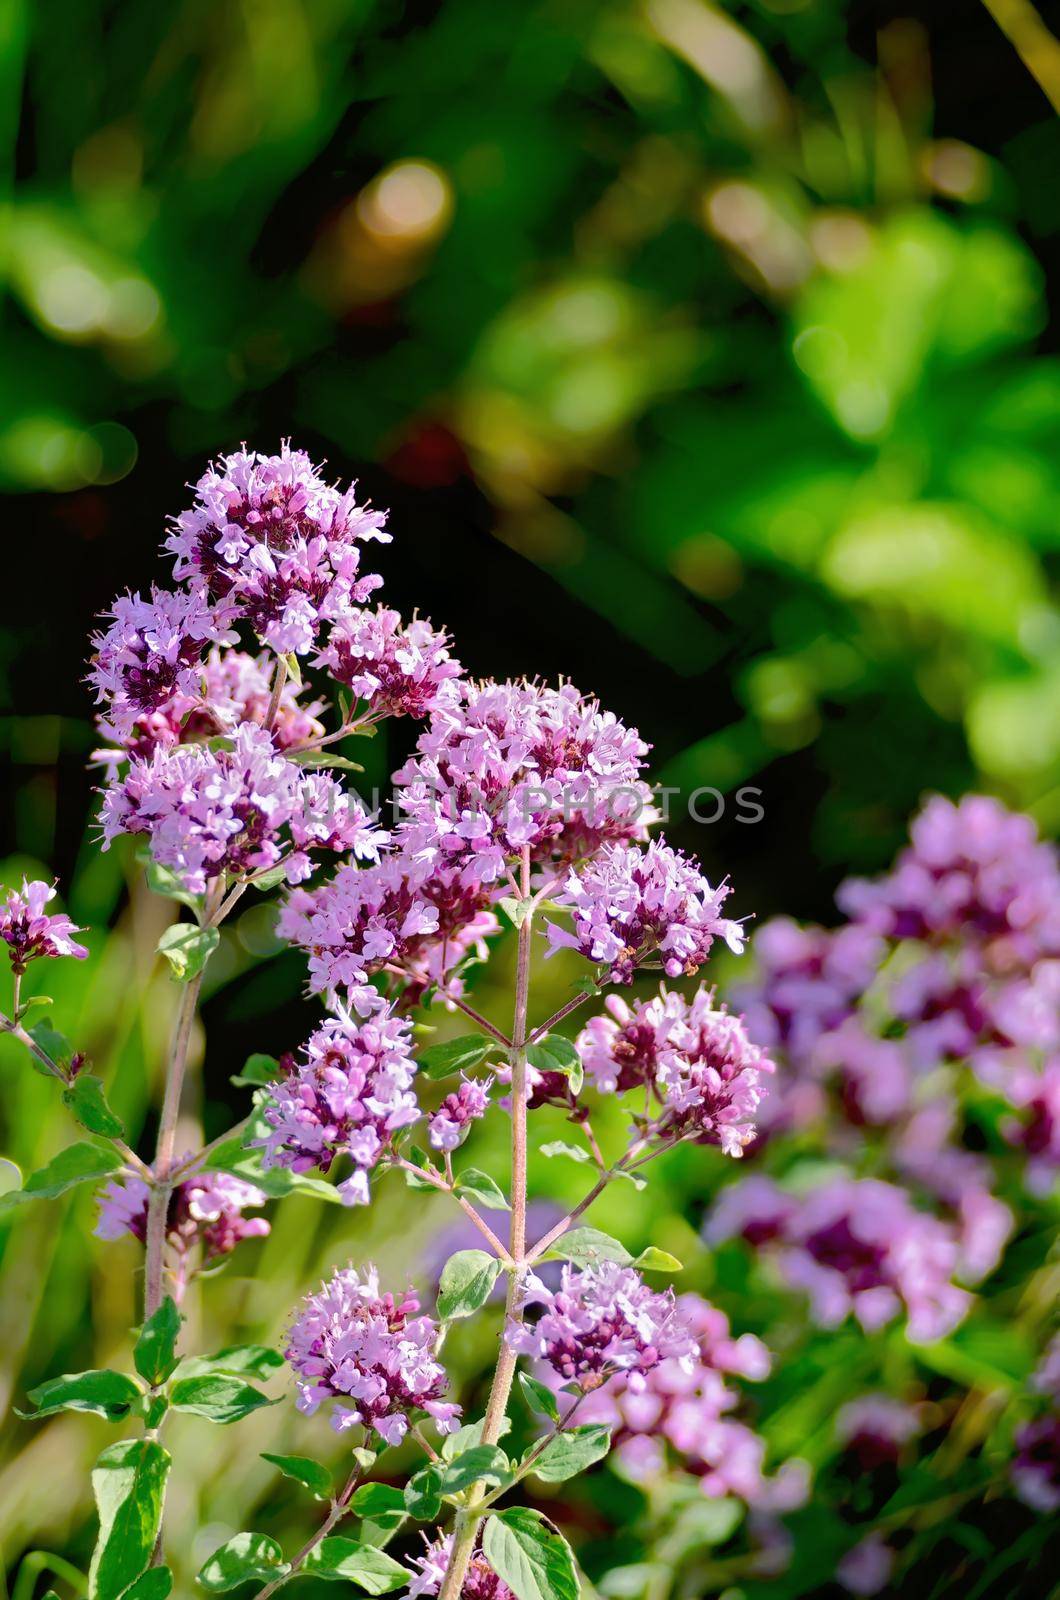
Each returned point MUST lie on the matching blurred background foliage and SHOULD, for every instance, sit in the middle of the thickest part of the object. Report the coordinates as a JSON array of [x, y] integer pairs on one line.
[[702, 354]]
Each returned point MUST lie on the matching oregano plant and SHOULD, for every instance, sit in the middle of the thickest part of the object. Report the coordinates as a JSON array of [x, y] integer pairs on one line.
[[222, 703]]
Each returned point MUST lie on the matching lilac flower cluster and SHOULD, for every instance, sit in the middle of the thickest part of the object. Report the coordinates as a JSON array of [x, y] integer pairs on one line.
[[30, 932], [854, 1246], [507, 765], [370, 1354], [399, 916], [400, 669], [601, 1320], [631, 906], [694, 1057], [207, 1210], [268, 536], [231, 687], [347, 1096], [150, 656], [687, 1407], [480, 1583], [973, 870], [241, 810], [448, 1127]]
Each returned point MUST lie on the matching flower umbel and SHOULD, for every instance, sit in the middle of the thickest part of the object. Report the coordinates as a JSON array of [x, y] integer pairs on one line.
[[350, 1092], [630, 907], [370, 1354], [602, 1320]]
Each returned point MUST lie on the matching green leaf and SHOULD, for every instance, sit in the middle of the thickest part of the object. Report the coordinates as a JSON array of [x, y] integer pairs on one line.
[[78, 1163], [363, 1564], [629, 1177], [454, 1444], [246, 1556], [465, 1284], [483, 1463], [423, 1494], [529, 1555], [154, 1355], [164, 881], [365, 1459], [574, 1152], [572, 1452], [554, 1053], [234, 1157], [379, 1501], [53, 1043], [538, 1397], [258, 1069], [247, 1360], [515, 910], [654, 1260], [326, 758], [586, 1246], [85, 1098], [35, 1000], [454, 1055], [129, 1483], [218, 1398], [481, 1187], [187, 948], [104, 1393], [264, 881], [310, 1474], [419, 1158], [154, 1584]]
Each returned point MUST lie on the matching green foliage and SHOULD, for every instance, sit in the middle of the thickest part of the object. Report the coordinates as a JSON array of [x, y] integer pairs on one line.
[[105, 1393], [554, 1053], [248, 1360], [423, 1493], [89, 1105], [310, 1474], [241, 1558], [480, 1188], [532, 1558], [538, 1397], [571, 1452], [217, 1397], [258, 1070], [187, 948], [366, 1566], [466, 1281], [78, 1163], [586, 1246], [454, 1055], [483, 1463], [155, 1351], [129, 1483]]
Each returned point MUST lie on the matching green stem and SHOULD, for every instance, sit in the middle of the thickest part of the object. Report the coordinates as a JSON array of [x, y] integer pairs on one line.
[[469, 1519]]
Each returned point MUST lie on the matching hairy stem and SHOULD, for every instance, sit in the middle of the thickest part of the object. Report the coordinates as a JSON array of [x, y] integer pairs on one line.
[[278, 680], [479, 1020], [466, 1526], [557, 1016], [162, 1185], [164, 1164], [339, 1507]]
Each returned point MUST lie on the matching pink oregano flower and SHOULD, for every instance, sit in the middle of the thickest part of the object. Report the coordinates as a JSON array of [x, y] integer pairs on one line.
[[632, 906], [370, 1354], [30, 932]]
